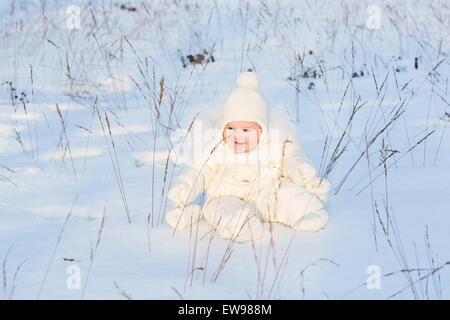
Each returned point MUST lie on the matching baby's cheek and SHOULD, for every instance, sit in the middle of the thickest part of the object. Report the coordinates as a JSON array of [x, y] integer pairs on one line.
[[229, 141], [253, 139], [228, 135]]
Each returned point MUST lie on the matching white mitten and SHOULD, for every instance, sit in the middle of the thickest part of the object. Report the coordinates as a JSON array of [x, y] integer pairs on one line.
[[180, 218], [180, 194], [307, 171], [304, 174], [320, 187]]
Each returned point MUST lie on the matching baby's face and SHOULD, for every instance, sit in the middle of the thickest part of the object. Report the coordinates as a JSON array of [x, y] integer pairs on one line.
[[242, 136]]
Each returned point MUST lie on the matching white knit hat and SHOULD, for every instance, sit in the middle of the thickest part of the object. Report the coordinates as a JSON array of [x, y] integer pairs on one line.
[[245, 104]]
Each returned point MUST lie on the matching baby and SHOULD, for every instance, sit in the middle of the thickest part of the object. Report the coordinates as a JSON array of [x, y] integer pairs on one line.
[[257, 172]]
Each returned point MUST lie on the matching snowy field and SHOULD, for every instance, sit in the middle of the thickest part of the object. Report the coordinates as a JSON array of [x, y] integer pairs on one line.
[[93, 93]]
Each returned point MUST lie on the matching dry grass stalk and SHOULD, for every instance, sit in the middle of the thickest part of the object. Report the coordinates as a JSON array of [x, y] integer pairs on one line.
[[213, 231], [270, 250], [430, 273], [223, 261], [13, 285], [115, 162], [177, 292], [5, 283], [409, 150], [383, 158], [93, 253], [122, 292], [337, 152], [194, 253], [166, 167], [62, 135], [394, 118], [56, 247], [398, 250], [309, 265], [157, 106], [420, 279]]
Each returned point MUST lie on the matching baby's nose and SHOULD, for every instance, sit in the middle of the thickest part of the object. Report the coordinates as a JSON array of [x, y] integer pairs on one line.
[[240, 139]]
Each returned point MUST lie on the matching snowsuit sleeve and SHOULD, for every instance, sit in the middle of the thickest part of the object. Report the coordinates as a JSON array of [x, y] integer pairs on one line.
[[196, 178], [190, 182], [296, 165]]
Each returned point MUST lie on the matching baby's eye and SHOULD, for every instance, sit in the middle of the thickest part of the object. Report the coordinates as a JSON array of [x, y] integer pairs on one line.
[[245, 130], [230, 128]]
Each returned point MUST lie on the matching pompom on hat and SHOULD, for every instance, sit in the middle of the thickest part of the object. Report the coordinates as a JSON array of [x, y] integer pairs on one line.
[[248, 80], [245, 104]]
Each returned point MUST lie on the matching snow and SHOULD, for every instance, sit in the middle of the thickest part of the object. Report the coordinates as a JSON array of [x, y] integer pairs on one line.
[[51, 164]]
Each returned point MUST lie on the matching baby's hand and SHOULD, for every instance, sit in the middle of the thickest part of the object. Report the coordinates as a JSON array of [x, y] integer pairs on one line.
[[320, 187], [180, 218], [308, 172], [304, 174], [179, 194]]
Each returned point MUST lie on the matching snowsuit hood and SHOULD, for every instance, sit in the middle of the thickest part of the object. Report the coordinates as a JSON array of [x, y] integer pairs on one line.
[[245, 104]]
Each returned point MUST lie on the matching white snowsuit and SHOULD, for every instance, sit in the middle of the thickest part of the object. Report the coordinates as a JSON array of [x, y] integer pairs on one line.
[[276, 182]]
